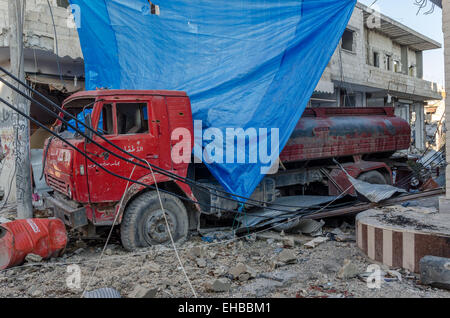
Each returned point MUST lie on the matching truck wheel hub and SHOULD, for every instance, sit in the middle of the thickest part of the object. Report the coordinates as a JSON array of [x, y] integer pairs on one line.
[[156, 228]]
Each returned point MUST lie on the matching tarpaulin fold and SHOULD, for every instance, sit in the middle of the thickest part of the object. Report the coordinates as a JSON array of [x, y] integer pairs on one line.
[[250, 64]]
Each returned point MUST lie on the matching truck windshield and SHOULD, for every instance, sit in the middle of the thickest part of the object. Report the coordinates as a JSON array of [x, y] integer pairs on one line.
[[78, 108]]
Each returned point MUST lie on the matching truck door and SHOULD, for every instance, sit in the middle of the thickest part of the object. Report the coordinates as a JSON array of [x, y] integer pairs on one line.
[[127, 125]]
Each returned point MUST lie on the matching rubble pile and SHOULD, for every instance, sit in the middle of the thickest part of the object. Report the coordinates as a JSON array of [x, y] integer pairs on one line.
[[269, 264]]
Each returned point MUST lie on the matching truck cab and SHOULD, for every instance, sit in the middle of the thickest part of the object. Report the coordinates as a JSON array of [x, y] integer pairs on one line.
[[139, 122]]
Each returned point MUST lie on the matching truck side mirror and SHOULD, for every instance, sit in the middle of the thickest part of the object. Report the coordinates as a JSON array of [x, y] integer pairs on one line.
[[88, 122]]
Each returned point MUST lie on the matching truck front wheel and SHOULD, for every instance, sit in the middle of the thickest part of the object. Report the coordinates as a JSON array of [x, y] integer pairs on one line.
[[144, 224]]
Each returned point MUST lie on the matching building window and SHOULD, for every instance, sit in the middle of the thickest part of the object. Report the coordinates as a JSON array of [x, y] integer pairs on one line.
[[62, 3], [388, 62], [348, 41], [412, 70], [396, 66], [347, 100], [376, 59]]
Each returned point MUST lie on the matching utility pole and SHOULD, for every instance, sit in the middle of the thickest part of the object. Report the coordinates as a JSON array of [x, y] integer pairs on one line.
[[16, 10]]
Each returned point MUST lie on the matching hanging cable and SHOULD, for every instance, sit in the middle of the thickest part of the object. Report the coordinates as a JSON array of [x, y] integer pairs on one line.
[[158, 169], [152, 187]]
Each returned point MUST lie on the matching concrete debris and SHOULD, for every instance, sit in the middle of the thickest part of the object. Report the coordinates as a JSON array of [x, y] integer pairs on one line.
[[261, 268], [315, 242], [289, 242], [395, 274], [339, 236], [406, 209], [348, 270], [238, 270], [201, 262], [33, 258], [287, 256], [153, 267], [435, 271], [220, 285], [197, 252], [36, 293], [242, 272], [143, 292], [244, 277]]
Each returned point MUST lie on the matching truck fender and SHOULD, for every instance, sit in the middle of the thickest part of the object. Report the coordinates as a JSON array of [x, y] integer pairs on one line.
[[164, 183]]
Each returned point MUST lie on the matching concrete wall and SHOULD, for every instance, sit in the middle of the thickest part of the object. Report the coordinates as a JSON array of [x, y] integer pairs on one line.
[[38, 28]]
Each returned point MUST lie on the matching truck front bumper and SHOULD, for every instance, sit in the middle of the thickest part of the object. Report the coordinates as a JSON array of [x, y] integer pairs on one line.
[[72, 217]]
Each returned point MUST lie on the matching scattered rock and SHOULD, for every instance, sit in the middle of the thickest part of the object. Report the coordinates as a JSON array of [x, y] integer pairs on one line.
[[395, 274], [238, 270], [196, 252], [287, 257], [348, 270], [153, 267], [315, 242], [220, 285], [143, 292], [244, 277], [37, 293], [435, 271], [201, 262], [289, 242], [33, 258]]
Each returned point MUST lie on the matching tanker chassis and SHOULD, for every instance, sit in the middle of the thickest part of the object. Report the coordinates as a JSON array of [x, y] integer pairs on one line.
[[142, 122]]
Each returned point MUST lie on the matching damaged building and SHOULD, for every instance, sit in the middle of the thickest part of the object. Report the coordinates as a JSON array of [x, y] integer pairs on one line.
[[54, 75], [379, 62]]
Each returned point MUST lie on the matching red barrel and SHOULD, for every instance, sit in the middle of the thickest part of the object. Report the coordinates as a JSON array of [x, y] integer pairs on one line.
[[44, 237]]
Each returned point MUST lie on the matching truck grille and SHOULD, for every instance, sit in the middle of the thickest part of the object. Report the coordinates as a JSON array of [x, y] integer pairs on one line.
[[57, 184]]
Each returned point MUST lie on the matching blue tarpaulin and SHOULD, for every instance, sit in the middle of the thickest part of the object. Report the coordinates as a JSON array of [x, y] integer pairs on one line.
[[250, 64]]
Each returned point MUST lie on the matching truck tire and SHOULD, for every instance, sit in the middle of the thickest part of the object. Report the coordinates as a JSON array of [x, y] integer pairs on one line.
[[144, 225], [373, 177]]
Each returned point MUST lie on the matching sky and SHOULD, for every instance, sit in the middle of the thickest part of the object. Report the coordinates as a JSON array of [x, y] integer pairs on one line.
[[405, 12]]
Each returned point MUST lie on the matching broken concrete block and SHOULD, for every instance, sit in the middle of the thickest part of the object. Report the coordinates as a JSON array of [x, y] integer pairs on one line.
[[33, 258], [288, 242], [196, 252], [317, 241], [253, 272], [153, 267], [238, 270], [142, 292], [201, 262], [435, 271], [220, 285], [244, 277], [348, 270], [287, 257]]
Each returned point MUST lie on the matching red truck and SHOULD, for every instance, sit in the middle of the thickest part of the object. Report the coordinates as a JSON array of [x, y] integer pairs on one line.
[[141, 122]]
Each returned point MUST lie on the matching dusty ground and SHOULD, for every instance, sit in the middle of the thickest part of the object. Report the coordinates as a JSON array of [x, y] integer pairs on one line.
[[314, 272]]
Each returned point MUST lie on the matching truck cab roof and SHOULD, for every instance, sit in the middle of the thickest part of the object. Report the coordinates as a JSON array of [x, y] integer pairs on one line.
[[121, 92]]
